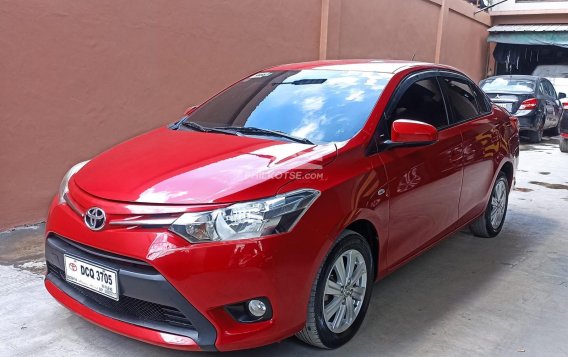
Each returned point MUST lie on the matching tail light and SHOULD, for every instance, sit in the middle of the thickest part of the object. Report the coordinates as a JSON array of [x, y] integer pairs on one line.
[[529, 104], [565, 105]]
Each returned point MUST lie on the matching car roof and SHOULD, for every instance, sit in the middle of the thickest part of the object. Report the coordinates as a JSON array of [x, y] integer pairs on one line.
[[368, 65], [517, 76]]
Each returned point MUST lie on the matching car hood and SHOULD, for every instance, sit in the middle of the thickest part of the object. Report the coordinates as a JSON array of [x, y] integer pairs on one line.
[[183, 167]]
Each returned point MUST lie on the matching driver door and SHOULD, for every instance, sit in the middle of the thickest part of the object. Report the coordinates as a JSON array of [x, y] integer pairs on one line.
[[424, 183]]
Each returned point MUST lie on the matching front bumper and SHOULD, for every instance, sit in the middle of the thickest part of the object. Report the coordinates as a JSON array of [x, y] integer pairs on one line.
[[139, 333], [199, 280], [147, 299]]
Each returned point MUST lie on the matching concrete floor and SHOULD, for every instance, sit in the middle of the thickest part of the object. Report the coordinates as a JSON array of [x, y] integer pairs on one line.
[[467, 296]]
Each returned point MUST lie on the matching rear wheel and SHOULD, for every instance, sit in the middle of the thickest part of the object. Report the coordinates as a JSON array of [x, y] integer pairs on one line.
[[340, 294], [491, 222], [563, 144], [536, 135]]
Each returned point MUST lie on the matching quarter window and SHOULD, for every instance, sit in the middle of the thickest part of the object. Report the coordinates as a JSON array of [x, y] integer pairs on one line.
[[462, 100], [423, 102], [483, 103]]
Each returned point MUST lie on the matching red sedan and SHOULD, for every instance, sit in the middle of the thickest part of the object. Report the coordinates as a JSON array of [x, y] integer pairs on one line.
[[271, 209]]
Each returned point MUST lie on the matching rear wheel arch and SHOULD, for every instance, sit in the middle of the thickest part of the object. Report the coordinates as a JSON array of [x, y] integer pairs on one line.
[[508, 169]]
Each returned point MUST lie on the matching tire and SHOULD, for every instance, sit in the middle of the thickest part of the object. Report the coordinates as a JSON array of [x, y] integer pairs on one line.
[[563, 145], [484, 226], [319, 331], [535, 136]]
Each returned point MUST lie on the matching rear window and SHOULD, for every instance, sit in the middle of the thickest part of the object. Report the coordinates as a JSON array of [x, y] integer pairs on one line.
[[498, 84], [320, 105]]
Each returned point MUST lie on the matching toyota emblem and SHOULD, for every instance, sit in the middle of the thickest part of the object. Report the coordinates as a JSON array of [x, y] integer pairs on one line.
[[95, 218]]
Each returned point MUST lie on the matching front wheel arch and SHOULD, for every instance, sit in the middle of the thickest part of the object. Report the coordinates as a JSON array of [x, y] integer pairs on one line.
[[368, 231]]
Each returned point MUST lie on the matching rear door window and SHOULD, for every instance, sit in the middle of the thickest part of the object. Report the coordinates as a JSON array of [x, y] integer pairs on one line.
[[549, 89], [462, 100]]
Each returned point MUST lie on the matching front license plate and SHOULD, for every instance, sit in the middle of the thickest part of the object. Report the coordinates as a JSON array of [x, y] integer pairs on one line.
[[91, 276]]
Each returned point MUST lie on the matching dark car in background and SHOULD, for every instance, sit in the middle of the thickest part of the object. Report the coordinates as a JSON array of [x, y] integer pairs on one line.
[[532, 99]]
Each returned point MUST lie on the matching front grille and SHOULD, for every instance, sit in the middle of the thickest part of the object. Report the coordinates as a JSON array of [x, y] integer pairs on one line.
[[128, 306], [103, 256]]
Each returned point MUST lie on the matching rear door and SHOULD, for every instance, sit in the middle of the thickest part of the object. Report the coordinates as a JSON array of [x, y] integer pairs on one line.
[[471, 113], [544, 98], [553, 102], [424, 183]]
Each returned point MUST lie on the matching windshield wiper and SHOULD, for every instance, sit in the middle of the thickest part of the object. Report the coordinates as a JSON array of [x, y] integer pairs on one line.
[[258, 131], [197, 127]]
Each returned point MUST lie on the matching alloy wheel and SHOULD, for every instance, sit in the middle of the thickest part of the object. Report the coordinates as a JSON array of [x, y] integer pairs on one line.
[[498, 203], [345, 291]]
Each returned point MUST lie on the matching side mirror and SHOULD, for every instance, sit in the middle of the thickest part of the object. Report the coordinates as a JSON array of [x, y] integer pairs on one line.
[[561, 95], [189, 110], [408, 133]]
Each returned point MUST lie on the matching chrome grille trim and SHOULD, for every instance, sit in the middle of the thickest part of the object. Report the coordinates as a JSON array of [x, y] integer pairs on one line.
[[146, 222]]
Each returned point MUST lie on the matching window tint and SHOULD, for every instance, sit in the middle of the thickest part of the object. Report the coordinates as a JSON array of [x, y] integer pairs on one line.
[[423, 102], [462, 100]]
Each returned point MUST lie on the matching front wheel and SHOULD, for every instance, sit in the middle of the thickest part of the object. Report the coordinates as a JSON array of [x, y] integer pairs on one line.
[[491, 222], [340, 294], [535, 136]]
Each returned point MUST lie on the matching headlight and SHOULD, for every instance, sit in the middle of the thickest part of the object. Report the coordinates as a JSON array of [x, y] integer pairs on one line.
[[64, 186], [253, 219]]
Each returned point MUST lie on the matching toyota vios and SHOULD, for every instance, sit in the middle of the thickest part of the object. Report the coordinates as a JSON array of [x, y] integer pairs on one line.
[[271, 209]]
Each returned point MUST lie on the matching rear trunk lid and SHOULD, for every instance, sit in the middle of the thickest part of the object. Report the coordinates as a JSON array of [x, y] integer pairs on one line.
[[509, 101]]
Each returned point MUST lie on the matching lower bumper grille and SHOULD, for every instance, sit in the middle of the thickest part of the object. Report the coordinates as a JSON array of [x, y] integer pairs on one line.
[[129, 306]]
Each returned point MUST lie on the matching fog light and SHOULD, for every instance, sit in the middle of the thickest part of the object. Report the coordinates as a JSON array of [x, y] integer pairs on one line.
[[249, 311], [257, 308]]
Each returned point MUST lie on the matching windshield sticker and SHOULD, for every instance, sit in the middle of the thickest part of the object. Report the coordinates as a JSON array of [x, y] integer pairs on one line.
[[260, 75]]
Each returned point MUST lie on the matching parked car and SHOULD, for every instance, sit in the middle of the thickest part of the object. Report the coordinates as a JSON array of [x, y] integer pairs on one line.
[[271, 209], [557, 74], [532, 99]]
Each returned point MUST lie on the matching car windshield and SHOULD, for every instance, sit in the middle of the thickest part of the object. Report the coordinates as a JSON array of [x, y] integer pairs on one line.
[[508, 84], [318, 105]]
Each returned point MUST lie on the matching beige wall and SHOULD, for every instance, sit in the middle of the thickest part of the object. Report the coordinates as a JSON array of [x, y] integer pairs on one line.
[[78, 76], [403, 29], [465, 45], [389, 29]]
